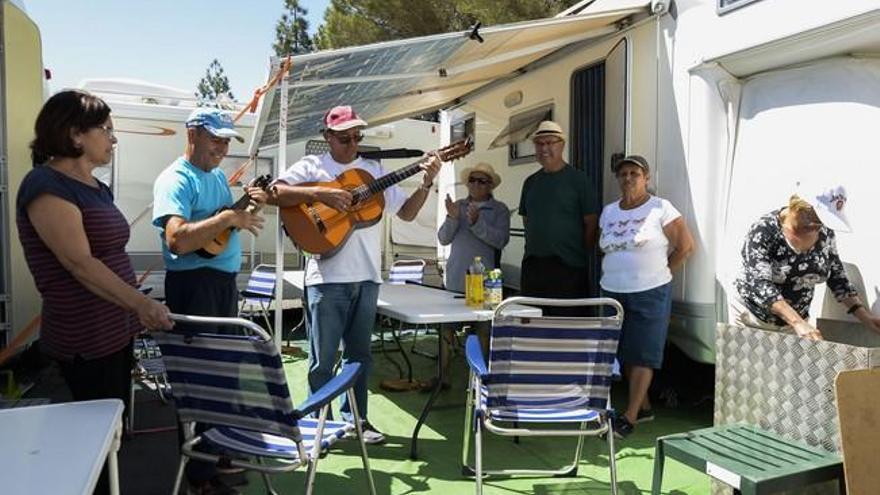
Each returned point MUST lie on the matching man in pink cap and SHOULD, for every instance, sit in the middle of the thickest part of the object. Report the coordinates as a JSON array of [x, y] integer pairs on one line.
[[342, 290]]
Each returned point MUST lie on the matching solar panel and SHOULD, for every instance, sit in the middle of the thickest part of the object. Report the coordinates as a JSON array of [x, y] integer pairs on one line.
[[308, 104]]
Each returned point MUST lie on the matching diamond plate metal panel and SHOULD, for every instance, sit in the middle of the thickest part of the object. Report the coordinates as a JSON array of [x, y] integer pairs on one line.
[[783, 383]]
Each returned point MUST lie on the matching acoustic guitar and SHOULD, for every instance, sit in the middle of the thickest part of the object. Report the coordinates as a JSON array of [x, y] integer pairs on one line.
[[319, 229], [218, 244]]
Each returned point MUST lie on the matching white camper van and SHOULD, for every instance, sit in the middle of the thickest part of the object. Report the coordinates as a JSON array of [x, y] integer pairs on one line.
[[732, 101], [22, 79]]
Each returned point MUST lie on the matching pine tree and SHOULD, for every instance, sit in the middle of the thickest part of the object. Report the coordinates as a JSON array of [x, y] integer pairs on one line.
[[360, 22], [214, 89], [292, 31]]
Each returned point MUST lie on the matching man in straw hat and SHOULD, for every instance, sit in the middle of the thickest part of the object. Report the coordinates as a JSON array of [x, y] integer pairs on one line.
[[560, 219], [478, 225]]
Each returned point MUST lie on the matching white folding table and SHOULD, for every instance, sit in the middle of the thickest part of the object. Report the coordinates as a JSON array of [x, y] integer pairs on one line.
[[417, 304], [59, 448]]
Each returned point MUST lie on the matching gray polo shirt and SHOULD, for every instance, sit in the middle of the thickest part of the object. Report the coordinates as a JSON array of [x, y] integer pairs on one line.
[[490, 233]]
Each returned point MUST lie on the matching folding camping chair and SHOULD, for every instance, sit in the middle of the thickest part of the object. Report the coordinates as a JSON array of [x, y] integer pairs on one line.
[[401, 272], [236, 385], [409, 271], [551, 370], [149, 371], [259, 293]]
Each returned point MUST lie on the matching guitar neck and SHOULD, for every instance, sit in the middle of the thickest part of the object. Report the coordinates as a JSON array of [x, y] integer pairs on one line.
[[392, 178], [241, 203]]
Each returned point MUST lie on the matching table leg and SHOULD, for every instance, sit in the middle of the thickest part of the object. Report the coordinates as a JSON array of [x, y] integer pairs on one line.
[[113, 463], [409, 371], [438, 386]]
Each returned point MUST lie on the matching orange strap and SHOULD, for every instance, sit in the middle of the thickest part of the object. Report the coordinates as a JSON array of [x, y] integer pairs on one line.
[[259, 92]]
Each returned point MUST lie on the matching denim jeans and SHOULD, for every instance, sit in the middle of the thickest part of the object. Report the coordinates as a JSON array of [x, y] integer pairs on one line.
[[341, 313]]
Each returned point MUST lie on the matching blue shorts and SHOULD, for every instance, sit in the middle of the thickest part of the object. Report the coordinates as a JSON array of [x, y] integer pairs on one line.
[[645, 325]]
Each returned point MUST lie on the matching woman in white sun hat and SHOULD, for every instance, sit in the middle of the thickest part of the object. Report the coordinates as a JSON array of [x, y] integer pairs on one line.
[[786, 253]]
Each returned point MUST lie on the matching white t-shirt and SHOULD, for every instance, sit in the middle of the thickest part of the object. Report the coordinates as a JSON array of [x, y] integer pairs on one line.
[[635, 246], [358, 259]]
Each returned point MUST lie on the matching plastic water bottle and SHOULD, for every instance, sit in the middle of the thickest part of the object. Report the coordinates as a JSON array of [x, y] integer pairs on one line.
[[474, 283], [492, 289]]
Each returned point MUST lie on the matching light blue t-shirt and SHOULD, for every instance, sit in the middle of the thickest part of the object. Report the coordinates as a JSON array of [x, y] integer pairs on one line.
[[184, 190]]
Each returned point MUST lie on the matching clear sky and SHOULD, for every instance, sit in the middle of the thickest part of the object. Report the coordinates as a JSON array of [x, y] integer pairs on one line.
[[168, 42]]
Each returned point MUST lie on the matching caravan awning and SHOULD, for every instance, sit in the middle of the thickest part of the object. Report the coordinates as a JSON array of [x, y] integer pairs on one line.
[[393, 80]]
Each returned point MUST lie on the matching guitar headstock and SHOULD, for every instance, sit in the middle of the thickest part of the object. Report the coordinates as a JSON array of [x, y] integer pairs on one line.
[[456, 150], [263, 181]]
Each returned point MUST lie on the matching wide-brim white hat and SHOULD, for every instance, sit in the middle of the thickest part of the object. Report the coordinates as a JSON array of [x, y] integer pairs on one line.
[[483, 168], [829, 204]]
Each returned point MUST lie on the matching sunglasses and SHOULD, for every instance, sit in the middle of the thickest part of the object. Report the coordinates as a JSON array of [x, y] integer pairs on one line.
[[478, 180], [347, 138]]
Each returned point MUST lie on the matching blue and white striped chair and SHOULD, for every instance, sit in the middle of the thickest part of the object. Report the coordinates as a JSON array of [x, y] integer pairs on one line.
[[259, 293], [237, 386], [542, 371], [403, 271]]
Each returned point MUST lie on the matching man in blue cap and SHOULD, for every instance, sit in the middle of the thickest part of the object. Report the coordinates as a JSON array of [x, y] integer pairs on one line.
[[188, 201]]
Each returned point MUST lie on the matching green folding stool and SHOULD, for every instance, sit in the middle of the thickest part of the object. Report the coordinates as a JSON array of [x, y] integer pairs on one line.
[[751, 460]]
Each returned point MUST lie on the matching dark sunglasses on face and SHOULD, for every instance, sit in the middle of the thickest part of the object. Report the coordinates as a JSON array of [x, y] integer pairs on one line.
[[348, 138], [482, 182]]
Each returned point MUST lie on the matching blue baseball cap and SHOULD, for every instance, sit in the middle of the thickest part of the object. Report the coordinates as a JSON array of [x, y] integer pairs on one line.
[[215, 121]]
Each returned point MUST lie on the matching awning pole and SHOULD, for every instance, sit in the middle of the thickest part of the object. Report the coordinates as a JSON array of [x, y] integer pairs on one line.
[[280, 163]]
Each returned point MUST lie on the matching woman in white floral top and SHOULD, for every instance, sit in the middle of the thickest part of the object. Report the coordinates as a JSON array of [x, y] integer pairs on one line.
[[786, 253], [644, 239]]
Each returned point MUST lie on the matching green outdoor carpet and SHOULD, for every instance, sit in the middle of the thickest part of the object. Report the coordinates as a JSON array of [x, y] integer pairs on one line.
[[438, 468]]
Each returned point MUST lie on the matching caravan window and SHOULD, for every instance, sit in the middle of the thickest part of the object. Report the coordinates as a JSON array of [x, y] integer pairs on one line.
[[725, 6], [516, 135], [463, 128]]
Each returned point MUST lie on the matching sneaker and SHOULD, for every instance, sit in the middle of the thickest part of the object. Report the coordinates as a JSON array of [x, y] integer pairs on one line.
[[622, 426], [645, 415], [372, 436]]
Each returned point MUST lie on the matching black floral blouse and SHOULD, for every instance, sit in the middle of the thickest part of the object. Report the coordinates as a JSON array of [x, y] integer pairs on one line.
[[772, 270]]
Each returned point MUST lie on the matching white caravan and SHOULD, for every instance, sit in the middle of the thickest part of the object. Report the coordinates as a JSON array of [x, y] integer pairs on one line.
[[22, 83], [150, 128], [732, 101]]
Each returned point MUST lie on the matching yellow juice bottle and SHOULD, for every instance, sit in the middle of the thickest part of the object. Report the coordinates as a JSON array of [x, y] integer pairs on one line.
[[474, 283]]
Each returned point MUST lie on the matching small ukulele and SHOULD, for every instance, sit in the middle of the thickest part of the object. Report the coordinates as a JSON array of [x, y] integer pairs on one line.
[[218, 244], [319, 229]]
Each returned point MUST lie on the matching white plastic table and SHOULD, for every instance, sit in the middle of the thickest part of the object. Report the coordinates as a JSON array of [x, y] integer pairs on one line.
[[59, 448], [418, 305], [415, 304]]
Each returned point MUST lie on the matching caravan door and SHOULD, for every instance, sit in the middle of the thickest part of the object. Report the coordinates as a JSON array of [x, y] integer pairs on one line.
[[598, 130]]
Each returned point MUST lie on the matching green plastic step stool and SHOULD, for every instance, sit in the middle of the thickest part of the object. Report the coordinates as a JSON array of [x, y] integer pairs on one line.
[[751, 460]]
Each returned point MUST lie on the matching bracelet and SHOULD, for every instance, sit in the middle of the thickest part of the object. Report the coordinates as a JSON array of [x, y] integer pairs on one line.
[[855, 307], [426, 187]]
